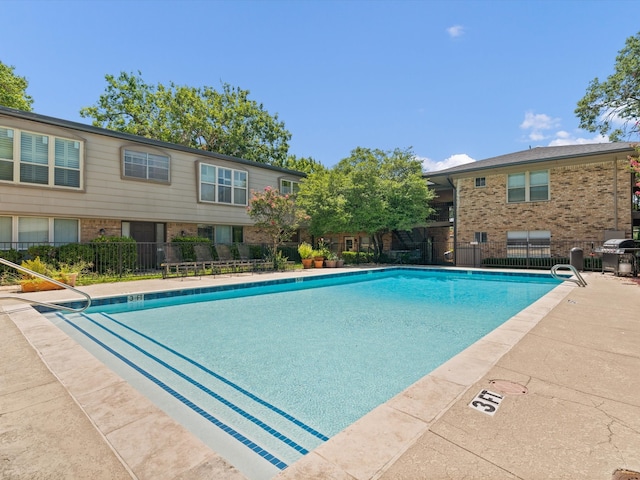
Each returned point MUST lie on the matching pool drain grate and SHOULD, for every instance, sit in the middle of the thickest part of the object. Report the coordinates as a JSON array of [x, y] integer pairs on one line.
[[508, 388]]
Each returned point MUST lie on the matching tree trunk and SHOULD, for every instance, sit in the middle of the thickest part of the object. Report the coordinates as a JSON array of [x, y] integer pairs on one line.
[[377, 244]]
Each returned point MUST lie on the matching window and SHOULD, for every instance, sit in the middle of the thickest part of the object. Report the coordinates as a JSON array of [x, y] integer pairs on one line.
[[146, 166], [532, 244], [206, 231], [221, 233], [33, 230], [239, 187], [222, 185], [65, 230], [38, 230], [480, 237], [33, 158], [6, 234], [481, 182], [289, 187], [6, 154], [528, 187], [67, 163]]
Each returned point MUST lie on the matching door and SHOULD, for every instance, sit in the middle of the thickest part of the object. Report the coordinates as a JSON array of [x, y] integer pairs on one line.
[[350, 244], [144, 233]]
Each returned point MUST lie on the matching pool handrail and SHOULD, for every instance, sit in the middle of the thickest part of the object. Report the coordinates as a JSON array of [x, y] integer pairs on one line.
[[579, 280], [54, 306]]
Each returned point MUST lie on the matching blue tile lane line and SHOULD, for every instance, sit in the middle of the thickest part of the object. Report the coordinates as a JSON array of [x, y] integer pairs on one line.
[[272, 431], [224, 380], [224, 427]]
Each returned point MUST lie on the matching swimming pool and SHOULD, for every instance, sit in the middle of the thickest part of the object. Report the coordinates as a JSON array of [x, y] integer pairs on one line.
[[283, 366]]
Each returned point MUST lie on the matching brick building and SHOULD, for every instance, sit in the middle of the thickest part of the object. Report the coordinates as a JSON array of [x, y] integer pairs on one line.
[[541, 199]]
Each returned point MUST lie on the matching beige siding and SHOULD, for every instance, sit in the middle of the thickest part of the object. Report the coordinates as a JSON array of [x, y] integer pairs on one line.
[[108, 196]]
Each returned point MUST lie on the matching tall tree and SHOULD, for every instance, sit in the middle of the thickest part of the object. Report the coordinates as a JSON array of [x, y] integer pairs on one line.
[[277, 215], [225, 121], [612, 107], [301, 164], [371, 191], [13, 89]]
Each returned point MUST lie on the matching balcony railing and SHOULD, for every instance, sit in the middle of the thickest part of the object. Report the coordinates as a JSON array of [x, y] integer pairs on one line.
[[444, 212]]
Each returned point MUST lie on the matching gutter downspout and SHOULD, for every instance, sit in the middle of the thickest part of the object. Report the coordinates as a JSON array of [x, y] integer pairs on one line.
[[615, 194], [455, 220]]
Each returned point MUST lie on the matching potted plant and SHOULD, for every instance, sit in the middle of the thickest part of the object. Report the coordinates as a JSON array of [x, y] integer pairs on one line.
[[320, 253], [306, 254], [332, 260], [340, 262], [65, 273], [318, 258]]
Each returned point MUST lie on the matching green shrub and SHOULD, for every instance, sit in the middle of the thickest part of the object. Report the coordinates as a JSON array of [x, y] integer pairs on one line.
[[115, 255], [256, 251], [590, 263], [351, 258], [186, 246], [13, 256], [47, 252], [76, 253], [38, 266]]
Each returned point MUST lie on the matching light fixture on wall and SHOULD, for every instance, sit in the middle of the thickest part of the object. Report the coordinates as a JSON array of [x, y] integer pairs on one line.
[[102, 231]]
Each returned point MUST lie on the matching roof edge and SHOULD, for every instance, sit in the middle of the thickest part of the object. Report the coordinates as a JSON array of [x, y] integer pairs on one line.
[[59, 122]]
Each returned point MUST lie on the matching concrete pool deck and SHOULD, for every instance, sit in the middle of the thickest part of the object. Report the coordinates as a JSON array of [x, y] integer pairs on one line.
[[576, 353]]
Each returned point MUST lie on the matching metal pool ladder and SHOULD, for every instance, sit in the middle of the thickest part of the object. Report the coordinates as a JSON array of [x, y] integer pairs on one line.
[[578, 278], [44, 277]]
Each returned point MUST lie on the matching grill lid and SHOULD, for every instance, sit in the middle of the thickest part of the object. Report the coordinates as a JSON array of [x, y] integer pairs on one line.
[[619, 243]]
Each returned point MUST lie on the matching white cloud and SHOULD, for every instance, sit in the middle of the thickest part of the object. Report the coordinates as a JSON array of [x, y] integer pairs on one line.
[[429, 165], [538, 124], [565, 138], [455, 31], [541, 129]]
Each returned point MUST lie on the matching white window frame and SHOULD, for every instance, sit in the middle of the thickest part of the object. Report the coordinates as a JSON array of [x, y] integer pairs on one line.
[[290, 189], [528, 186], [481, 182], [52, 165], [146, 159], [218, 233], [16, 228], [532, 244], [236, 181], [480, 237]]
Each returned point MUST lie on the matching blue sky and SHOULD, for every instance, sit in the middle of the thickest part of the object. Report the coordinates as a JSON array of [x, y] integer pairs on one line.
[[454, 80]]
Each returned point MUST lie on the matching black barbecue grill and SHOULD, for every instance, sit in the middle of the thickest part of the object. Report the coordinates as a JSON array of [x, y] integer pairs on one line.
[[620, 256]]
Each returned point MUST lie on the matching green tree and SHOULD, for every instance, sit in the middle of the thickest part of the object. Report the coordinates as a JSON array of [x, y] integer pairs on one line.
[[301, 164], [277, 215], [13, 89], [225, 121], [617, 99], [371, 191]]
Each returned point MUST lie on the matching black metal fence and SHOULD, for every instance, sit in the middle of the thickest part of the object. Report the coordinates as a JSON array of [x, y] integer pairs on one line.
[[124, 257], [538, 255]]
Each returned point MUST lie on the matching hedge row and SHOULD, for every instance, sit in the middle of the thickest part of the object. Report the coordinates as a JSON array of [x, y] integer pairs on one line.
[[590, 263], [103, 255]]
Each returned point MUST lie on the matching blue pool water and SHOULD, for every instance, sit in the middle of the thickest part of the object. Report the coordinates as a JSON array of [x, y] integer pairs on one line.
[[284, 366]]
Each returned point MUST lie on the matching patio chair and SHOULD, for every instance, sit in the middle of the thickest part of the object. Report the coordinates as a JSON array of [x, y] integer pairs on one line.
[[225, 258], [204, 258], [172, 262], [256, 263]]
